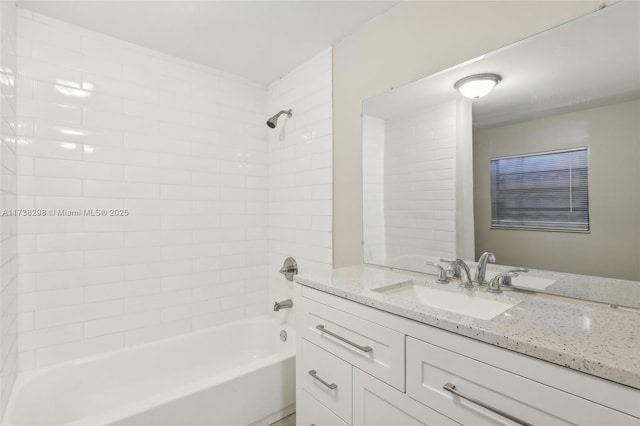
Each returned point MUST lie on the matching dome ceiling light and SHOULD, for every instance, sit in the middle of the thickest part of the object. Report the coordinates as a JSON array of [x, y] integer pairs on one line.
[[478, 85]]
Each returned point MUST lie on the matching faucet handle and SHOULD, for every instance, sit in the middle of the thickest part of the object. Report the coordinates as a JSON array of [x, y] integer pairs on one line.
[[442, 273], [494, 285], [506, 280], [454, 268]]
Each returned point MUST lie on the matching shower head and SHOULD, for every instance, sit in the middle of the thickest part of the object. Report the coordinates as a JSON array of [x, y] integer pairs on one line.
[[274, 120]]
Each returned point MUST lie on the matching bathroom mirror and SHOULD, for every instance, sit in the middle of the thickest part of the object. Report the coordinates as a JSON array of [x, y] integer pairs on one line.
[[543, 171]]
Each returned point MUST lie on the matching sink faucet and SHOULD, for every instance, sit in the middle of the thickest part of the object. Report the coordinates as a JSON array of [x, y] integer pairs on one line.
[[442, 273], [453, 270], [507, 279], [465, 275], [494, 285], [481, 270]]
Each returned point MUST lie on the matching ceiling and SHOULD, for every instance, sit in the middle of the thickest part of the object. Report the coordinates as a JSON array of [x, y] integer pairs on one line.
[[585, 63], [259, 40]]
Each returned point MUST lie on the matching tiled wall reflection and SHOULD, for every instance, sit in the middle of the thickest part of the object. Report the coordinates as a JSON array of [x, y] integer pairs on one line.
[[8, 194]]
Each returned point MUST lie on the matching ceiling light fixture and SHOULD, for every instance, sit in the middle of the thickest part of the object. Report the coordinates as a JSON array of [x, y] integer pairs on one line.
[[478, 85]]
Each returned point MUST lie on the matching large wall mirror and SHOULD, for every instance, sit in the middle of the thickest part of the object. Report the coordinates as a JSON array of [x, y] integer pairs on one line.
[[543, 171]]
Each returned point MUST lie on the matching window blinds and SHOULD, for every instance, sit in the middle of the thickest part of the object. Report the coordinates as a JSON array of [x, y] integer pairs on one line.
[[543, 191]]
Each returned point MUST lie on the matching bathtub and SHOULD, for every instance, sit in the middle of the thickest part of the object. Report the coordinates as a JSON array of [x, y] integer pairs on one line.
[[236, 374]]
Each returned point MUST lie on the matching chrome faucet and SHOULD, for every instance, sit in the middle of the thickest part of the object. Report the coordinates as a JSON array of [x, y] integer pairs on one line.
[[494, 285], [288, 304], [465, 275], [442, 273], [481, 269], [507, 279], [453, 270]]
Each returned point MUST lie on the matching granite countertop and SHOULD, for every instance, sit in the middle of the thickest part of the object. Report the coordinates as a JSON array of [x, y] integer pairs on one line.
[[585, 336]]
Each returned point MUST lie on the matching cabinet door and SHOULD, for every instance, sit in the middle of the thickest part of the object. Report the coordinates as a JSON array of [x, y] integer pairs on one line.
[[369, 346], [476, 393], [378, 404], [331, 382], [312, 413]]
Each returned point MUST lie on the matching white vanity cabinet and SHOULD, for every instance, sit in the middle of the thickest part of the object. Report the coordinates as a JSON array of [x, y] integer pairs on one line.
[[370, 367], [328, 379], [431, 368], [373, 348], [311, 412], [378, 404]]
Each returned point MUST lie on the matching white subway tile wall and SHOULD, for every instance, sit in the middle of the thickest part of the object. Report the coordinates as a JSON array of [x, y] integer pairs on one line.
[[8, 202], [419, 183], [176, 153], [373, 224], [300, 174]]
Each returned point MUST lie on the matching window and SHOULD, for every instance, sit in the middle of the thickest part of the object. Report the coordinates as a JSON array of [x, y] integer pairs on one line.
[[543, 191]]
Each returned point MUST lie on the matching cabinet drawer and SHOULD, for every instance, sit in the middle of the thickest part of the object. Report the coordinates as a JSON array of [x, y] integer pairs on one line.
[[430, 368], [374, 349], [378, 404], [312, 413], [327, 378]]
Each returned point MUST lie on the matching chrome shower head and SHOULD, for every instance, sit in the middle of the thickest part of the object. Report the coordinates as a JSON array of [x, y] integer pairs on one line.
[[274, 120]]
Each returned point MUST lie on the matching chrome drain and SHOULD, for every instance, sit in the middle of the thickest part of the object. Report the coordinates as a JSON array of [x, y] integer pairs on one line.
[[283, 336]]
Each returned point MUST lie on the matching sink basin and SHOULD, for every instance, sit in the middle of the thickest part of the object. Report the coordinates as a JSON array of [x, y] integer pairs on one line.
[[469, 303]]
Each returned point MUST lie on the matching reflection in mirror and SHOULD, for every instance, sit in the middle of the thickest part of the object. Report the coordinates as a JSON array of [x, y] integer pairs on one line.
[[542, 171]]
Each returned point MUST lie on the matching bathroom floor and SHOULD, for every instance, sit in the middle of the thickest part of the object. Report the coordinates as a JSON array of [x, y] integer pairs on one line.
[[290, 420]]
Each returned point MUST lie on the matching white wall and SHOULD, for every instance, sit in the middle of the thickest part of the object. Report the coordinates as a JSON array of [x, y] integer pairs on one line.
[[465, 226], [373, 221], [300, 179], [181, 146], [410, 41], [8, 190]]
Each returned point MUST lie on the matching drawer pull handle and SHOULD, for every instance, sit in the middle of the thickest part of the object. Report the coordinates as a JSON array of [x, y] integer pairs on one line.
[[347, 341], [450, 387], [313, 374]]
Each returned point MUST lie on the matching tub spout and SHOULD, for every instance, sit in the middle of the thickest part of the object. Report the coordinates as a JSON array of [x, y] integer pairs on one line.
[[282, 305]]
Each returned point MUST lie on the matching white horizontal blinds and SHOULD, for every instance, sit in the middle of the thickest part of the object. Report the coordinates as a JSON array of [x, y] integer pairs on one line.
[[548, 191]]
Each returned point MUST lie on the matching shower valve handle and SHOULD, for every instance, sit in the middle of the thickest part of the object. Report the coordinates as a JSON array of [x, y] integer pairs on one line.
[[289, 268]]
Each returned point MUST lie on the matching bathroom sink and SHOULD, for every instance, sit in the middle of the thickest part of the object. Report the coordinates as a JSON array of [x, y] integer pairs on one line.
[[470, 303]]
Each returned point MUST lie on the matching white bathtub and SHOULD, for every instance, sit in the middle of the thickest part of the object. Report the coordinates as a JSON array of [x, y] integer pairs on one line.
[[236, 374]]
